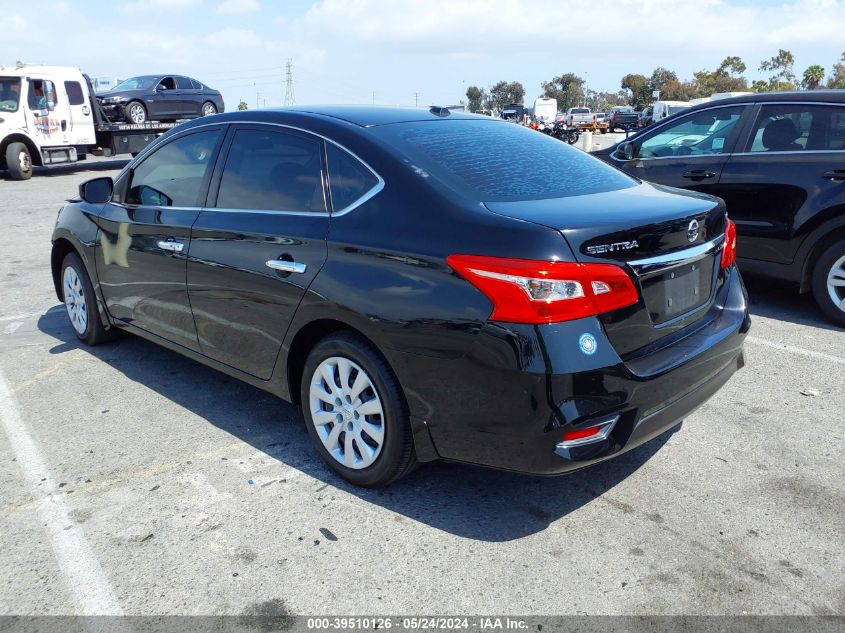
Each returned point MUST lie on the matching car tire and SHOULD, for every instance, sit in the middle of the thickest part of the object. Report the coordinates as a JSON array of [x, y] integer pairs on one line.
[[135, 112], [81, 302], [361, 429], [18, 161], [208, 109], [829, 282]]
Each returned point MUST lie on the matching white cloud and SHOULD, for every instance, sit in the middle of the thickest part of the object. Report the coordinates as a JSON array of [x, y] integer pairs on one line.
[[232, 7], [233, 38], [159, 5]]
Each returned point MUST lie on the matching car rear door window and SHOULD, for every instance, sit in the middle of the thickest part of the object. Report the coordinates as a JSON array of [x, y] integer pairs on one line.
[[798, 127], [349, 179], [173, 175], [272, 170], [183, 83], [703, 132]]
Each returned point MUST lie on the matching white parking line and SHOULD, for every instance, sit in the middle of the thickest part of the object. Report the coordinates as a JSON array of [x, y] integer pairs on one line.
[[83, 574], [796, 350]]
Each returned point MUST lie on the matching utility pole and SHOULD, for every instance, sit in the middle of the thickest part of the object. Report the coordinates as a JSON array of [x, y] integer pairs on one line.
[[374, 97], [289, 98], [416, 99]]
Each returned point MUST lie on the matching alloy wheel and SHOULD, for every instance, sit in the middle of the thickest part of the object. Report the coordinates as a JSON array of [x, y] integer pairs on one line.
[[346, 412], [75, 300], [836, 283], [208, 109], [136, 113]]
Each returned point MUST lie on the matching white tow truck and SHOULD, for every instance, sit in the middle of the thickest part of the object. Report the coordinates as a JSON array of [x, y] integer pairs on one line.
[[49, 116]]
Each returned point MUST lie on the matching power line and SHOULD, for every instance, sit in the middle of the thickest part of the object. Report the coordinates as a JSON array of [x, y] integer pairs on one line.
[[289, 98]]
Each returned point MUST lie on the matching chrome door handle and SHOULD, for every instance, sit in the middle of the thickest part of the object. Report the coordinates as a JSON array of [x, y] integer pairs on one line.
[[286, 266], [170, 246]]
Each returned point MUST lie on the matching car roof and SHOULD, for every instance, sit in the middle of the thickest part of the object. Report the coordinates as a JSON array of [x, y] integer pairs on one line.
[[835, 96], [369, 116]]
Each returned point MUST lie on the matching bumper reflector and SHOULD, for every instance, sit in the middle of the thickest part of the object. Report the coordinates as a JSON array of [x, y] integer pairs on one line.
[[589, 435]]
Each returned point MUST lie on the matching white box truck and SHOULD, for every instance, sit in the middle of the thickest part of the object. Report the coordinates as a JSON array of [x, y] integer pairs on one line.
[[50, 116]]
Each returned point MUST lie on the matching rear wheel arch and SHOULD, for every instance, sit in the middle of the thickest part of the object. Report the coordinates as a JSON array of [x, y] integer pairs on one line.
[[826, 239], [304, 341]]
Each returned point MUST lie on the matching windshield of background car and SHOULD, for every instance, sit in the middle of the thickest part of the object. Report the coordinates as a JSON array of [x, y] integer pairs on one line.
[[492, 161], [676, 109], [10, 94], [146, 82]]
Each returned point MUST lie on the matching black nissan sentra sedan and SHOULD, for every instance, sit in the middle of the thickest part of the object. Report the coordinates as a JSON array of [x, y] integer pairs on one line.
[[426, 284]]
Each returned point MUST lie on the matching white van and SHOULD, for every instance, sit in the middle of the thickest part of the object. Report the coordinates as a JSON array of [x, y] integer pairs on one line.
[[663, 109], [49, 116], [545, 109]]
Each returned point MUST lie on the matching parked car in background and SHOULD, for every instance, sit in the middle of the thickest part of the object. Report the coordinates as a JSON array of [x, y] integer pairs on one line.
[[513, 112], [518, 317], [601, 122], [581, 118], [545, 109], [778, 162], [160, 98], [622, 117], [663, 109]]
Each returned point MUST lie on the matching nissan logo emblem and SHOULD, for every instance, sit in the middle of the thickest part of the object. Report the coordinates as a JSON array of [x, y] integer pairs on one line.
[[692, 231]]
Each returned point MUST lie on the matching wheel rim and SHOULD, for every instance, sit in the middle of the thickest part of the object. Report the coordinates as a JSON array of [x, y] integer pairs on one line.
[[24, 161], [136, 113], [836, 283], [346, 412], [75, 304], [208, 109]]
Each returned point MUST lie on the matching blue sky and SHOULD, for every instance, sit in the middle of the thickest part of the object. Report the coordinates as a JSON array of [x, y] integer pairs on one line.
[[360, 51]]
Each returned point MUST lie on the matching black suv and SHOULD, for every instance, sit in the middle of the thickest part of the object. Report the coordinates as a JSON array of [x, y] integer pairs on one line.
[[778, 162]]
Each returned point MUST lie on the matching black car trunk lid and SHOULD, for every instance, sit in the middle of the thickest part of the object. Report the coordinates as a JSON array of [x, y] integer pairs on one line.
[[667, 239]]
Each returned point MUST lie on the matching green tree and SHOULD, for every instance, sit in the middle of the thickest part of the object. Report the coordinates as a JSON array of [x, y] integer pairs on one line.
[[837, 75], [813, 77], [663, 80], [783, 76], [567, 88], [504, 93], [476, 99], [243, 106], [637, 86], [732, 66]]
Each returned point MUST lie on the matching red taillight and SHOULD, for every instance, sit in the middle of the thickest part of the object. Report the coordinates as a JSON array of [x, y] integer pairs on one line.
[[580, 433], [729, 250], [529, 291]]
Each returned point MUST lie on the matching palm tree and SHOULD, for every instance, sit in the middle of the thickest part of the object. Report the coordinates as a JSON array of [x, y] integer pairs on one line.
[[813, 76]]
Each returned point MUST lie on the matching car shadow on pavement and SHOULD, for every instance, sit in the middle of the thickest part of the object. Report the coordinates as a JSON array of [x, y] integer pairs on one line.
[[782, 302], [470, 502]]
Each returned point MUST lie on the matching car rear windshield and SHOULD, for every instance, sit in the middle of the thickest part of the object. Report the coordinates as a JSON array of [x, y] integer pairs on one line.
[[580, 110], [494, 161]]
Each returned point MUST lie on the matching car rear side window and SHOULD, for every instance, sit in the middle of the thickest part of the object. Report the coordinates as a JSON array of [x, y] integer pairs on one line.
[[497, 161], [798, 127], [272, 170], [196, 85], [349, 179], [172, 176], [74, 93], [183, 83]]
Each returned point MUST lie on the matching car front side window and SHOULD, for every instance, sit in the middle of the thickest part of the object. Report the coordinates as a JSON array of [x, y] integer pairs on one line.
[[699, 133], [173, 175]]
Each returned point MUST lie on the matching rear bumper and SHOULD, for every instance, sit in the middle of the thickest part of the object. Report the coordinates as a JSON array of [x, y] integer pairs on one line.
[[508, 403]]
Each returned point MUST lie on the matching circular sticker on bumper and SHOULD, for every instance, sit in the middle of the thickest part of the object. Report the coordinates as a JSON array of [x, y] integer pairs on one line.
[[588, 344]]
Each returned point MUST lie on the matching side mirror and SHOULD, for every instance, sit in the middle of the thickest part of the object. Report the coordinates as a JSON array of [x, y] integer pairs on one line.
[[97, 190], [626, 151], [161, 88]]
